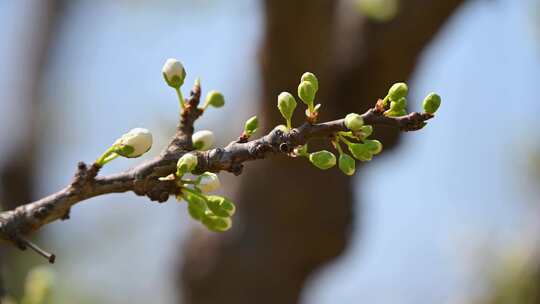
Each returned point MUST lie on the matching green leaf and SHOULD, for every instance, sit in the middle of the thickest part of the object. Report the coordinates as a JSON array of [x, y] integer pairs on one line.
[[196, 213], [310, 77], [347, 164], [251, 125], [216, 223], [365, 131], [196, 200], [401, 104], [360, 152], [286, 105], [374, 146], [306, 92], [220, 205]]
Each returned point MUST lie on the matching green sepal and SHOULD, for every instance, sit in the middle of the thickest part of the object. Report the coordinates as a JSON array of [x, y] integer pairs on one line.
[[198, 145], [124, 150], [176, 81]]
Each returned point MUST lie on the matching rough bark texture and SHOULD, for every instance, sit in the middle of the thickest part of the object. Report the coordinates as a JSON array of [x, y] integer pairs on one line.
[[292, 217]]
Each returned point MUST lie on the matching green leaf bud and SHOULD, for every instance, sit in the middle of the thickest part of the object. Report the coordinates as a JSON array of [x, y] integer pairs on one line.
[[216, 223], [186, 163], [306, 92], [401, 104], [323, 159], [251, 125], [347, 164], [214, 99], [174, 73], [354, 122], [398, 91], [360, 152], [286, 105], [310, 77], [374, 146], [220, 206], [431, 103]]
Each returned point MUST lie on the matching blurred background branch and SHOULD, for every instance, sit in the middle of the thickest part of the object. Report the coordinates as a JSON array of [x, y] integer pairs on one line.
[[18, 166], [285, 235]]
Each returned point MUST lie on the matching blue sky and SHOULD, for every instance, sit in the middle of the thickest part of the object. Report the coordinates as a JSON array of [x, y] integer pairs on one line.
[[461, 183]]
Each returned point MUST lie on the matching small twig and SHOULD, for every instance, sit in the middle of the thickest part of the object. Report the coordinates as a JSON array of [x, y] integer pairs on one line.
[[24, 243]]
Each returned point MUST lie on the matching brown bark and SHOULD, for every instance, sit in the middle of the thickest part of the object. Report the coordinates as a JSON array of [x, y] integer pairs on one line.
[[292, 217]]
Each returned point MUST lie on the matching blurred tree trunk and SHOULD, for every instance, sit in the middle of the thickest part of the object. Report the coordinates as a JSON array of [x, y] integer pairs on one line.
[[17, 172], [294, 218]]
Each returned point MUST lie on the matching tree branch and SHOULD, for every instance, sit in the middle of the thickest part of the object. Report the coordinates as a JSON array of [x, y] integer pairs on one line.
[[144, 180]]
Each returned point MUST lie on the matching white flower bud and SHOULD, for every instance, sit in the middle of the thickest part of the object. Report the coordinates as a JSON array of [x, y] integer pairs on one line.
[[134, 143], [186, 163], [203, 140], [174, 73], [208, 182], [354, 122]]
